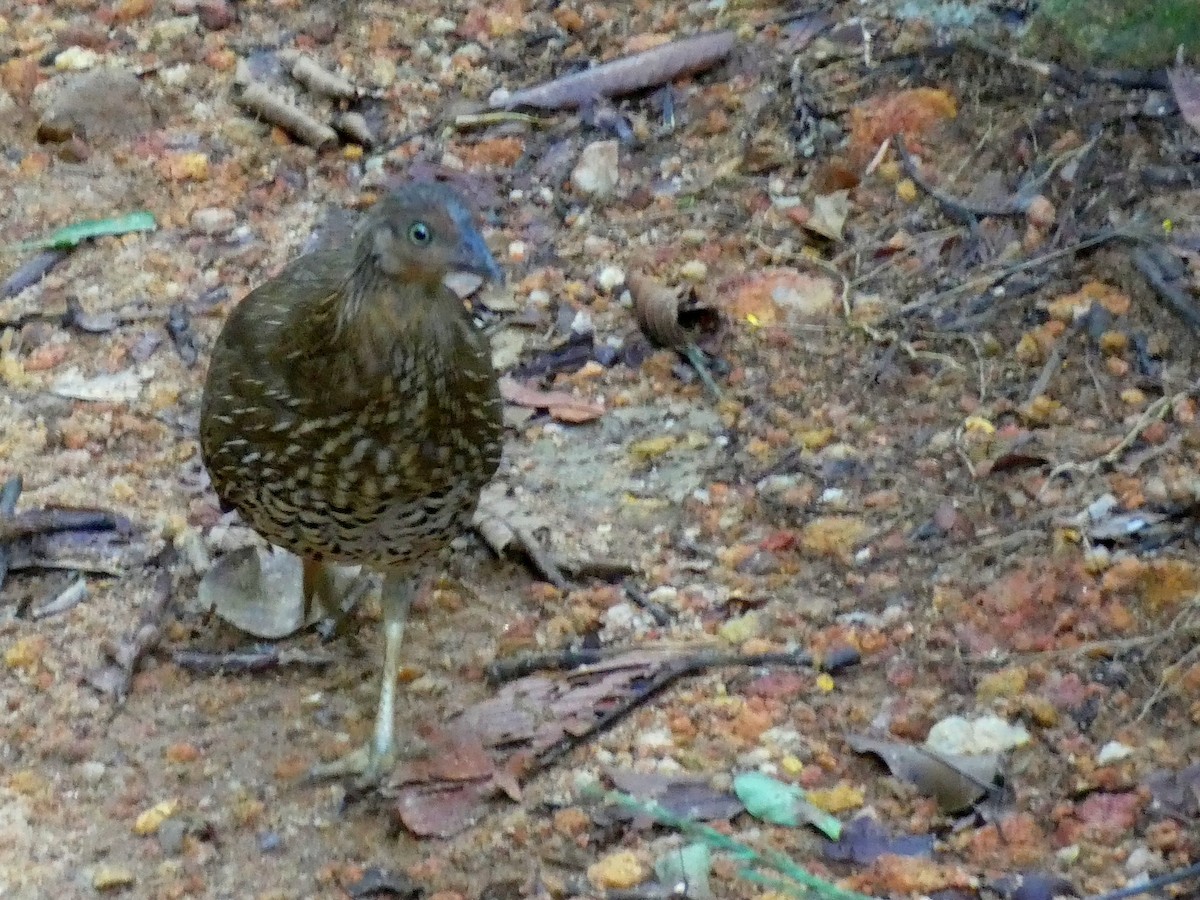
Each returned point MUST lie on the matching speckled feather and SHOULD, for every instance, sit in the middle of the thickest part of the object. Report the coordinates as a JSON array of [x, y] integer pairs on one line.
[[351, 412]]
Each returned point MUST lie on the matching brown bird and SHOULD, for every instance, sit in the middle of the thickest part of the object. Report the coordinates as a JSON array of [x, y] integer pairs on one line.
[[352, 414]]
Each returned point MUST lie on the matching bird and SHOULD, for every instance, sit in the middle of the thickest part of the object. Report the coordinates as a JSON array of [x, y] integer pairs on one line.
[[351, 414]]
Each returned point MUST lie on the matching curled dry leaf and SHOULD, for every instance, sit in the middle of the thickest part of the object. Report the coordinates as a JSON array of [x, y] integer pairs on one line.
[[669, 316], [561, 405], [955, 781], [1185, 85], [657, 311], [627, 75]]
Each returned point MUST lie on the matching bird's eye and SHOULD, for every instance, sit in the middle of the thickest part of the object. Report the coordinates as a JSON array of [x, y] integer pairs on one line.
[[419, 234]]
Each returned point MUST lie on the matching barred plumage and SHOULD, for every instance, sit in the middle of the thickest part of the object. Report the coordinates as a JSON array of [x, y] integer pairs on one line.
[[351, 412]]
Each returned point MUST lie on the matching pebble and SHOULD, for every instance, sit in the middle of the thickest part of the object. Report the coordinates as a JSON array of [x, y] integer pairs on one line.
[[694, 270], [111, 878], [76, 59], [597, 171], [618, 871], [215, 14], [610, 277], [170, 836], [213, 220], [92, 771], [740, 629], [1112, 752], [270, 842]]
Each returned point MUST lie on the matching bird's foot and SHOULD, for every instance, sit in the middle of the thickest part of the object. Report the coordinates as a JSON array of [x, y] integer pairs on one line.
[[369, 765], [366, 765]]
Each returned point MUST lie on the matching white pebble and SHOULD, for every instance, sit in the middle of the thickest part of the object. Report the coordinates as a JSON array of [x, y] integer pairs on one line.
[[597, 171], [694, 270], [609, 278]]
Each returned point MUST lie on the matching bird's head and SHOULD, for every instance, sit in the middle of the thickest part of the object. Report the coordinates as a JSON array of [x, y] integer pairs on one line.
[[422, 232]]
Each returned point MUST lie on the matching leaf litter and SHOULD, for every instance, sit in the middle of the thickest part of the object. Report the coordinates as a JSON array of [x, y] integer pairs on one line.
[[991, 268]]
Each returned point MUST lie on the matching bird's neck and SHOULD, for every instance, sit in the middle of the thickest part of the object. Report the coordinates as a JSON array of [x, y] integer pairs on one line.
[[381, 317]]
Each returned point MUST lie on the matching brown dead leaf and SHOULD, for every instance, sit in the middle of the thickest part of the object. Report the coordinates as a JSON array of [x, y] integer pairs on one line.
[[562, 406], [829, 212], [657, 311], [1185, 85], [955, 781], [452, 756], [443, 809]]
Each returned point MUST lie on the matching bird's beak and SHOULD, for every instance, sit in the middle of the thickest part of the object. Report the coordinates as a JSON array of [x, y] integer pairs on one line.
[[473, 256]]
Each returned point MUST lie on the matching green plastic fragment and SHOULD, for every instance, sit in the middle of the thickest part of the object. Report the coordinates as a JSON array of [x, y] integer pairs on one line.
[[780, 803], [73, 235]]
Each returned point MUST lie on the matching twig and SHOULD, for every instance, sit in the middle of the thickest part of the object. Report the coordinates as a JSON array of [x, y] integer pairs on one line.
[[960, 210], [1151, 885], [661, 679], [8, 506], [501, 537], [1148, 261], [114, 677], [636, 596], [468, 121], [259, 100], [600, 569], [31, 272], [626, 75], [1054, 362], [252, 659], [503, 670], [316, 78], [70, 596], [982, 282], [1134, 78], [48, 521]]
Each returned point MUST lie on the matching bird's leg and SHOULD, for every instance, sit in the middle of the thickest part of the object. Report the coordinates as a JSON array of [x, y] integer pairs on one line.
[[371, 761], [321, 596], [319, 593]]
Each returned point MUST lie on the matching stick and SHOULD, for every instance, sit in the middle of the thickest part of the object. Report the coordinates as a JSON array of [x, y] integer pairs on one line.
[[257, 99], [626, 75], [8, 505]]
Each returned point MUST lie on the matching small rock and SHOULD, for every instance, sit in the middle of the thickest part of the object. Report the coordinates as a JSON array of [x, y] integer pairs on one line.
[[618, 871], [694, 270], [92, 771], [610, 277], [1113, 751], [270, 842], [152, 819], [170, 836], [597, 171], [111, 878], [213, 220], [214, 14], [170, 31], [740, 629], [76, 59]]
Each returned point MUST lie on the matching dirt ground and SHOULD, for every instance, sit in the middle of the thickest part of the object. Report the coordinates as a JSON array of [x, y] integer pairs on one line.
[[956, 443]]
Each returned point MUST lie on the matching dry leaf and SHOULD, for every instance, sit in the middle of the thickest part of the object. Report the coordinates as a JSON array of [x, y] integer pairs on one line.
[[657, 311], [954, 781], [562, 406], [1185, 85], [829, 213]]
